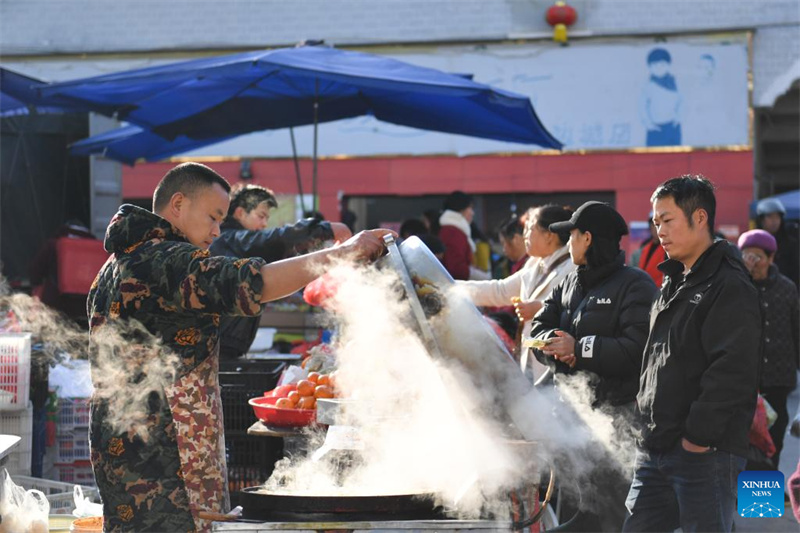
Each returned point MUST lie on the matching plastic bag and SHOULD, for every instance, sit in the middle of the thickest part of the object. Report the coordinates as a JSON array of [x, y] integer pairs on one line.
[[22, 511], [293, 374], [84, 507], [759, 430], [321, 290], [772, 416]]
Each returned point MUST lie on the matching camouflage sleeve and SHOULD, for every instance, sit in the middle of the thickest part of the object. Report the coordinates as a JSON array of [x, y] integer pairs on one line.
[[192, 280]]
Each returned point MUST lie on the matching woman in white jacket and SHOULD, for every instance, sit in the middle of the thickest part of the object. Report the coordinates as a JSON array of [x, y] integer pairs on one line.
[[527, 288]]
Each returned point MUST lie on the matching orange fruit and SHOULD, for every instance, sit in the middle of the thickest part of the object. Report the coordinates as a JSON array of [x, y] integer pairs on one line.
[[313, 377], [323, 391], [307, 402], [284, 403], [294, 397], [283, 391], [305, 387], [324, 379]]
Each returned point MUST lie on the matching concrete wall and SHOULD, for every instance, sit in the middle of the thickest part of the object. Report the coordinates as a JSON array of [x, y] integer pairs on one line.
[[93, 26], [48, 27]]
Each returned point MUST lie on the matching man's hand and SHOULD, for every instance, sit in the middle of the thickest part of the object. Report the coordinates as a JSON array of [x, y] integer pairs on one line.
[[693, 448], [284, 277], [365, 245], [526, 310], [340, 231]]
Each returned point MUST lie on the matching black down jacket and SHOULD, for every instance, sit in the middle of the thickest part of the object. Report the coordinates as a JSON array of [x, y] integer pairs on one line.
[[238, 333], [701, 363], [606, 309]]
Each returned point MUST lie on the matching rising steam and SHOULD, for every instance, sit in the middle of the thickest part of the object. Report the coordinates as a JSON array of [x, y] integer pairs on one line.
[[130, 367], [431, 425]]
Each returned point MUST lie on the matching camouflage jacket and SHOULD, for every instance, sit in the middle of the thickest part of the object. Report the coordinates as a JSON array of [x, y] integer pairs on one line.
[[158, 448]]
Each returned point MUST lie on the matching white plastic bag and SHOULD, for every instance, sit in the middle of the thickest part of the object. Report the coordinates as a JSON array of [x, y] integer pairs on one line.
[[22, 511], [293, 374], [84, 507], [772, 415]]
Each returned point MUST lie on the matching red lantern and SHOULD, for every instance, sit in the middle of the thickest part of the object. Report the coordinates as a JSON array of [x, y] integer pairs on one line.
[[561, 16]]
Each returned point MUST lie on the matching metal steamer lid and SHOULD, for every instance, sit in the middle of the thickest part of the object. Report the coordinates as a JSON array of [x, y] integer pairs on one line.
[[459, 331], [396, 261]]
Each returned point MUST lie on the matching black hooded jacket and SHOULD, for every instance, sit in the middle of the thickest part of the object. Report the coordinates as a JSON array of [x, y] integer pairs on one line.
[[238, 333], [701, 362], [605, 308]]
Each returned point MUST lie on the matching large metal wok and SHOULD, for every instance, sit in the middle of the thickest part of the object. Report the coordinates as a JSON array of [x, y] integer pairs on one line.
[[258, 503]]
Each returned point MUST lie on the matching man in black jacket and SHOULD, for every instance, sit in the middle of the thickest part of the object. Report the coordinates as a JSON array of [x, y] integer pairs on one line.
[[700, 371], [244, 233]]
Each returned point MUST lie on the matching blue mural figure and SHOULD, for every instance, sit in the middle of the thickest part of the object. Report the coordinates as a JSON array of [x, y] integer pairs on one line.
[[661, 102]]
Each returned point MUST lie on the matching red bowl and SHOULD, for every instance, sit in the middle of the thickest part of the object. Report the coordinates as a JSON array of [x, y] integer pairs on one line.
[[266, 411]]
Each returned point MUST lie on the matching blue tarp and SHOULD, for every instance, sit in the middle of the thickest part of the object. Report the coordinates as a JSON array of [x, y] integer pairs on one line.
[[790, 201], [216, 98]]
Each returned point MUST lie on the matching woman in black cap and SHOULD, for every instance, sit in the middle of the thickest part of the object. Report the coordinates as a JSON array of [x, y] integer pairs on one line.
[[596, 323]]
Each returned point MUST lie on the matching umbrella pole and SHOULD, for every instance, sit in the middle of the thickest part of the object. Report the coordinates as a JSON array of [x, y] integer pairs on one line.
[[297, 171], [316, 131]]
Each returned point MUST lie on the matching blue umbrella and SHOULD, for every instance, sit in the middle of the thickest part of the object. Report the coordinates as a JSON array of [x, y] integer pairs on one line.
[[131, 143], [216, 98], [790, 201], [18, 96]]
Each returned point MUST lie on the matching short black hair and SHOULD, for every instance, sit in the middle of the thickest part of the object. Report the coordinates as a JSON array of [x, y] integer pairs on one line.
[[511, 226], [690, 192], [250, 196], [316, 215], [457, 201], [550, 214], [186, 178], [412, 226]]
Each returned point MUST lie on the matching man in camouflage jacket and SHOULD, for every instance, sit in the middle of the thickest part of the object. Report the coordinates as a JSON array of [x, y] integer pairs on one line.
[[156, 434]]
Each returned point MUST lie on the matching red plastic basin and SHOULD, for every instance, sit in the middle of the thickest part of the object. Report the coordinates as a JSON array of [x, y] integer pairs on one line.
[[266, 411]]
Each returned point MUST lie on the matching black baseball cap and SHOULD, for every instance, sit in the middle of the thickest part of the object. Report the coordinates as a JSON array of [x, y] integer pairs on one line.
[[598, 218]]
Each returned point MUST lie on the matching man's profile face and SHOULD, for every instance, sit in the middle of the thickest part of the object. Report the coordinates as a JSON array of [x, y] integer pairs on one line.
[[678, 238], [199, 216], [255, 220]]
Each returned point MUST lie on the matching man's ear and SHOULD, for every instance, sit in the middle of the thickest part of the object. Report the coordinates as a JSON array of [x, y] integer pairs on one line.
[[176, 203], [587, 235], [700, 217], [239, 213]]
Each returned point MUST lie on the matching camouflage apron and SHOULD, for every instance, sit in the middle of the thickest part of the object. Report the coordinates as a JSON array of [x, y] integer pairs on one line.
[[159, 477]]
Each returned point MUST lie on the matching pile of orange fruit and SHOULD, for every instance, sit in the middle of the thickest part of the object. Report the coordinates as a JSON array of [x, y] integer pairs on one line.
[[304, 393]]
